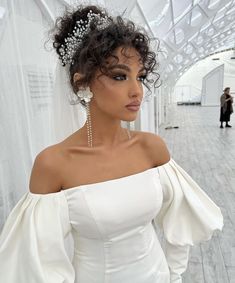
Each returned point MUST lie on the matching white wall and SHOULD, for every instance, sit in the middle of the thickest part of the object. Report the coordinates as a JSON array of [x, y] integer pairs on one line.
[[212, 87], [191, 82], [148, 115]]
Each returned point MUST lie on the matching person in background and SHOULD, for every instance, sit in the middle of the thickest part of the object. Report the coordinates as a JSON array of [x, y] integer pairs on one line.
[[226, 107]]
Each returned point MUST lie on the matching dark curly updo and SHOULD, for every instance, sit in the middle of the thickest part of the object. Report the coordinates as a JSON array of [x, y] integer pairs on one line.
[[99, 44]]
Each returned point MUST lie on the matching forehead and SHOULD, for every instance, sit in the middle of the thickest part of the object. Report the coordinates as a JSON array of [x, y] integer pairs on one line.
[[128, 56]]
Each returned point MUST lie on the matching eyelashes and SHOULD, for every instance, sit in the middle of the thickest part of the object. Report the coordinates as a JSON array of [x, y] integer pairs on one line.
[[143, 78], [119, 77], [122, 77]]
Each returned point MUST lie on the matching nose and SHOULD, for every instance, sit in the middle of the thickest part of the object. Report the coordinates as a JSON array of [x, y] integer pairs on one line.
[[136, 89]]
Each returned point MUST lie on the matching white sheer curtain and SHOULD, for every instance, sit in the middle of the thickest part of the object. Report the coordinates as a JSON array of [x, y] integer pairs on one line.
[[26, 95], [28, 122]]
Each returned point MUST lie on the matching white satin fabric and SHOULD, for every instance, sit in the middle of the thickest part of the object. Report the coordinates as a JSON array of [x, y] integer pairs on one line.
[[112, 224]]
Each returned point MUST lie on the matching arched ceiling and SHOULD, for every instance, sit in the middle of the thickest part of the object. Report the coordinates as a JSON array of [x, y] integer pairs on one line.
[[188, 30]]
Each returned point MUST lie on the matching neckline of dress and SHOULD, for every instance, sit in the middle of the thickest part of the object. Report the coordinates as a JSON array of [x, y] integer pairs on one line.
[[87, 186]]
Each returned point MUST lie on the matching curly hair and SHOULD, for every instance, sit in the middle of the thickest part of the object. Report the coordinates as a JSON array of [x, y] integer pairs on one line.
[[98, 45]]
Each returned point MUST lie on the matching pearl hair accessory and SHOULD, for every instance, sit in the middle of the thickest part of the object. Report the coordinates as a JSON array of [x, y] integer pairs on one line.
[[74, 40]]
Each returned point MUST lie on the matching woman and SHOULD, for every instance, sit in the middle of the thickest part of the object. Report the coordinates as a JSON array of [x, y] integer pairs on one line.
[[104, 185], [226, 107]]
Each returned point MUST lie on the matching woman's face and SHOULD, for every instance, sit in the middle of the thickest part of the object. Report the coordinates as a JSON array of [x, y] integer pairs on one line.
[[124, 85]]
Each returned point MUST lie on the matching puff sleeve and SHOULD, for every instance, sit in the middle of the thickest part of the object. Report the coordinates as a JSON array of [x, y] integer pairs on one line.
[[32, 243], [188, 216]]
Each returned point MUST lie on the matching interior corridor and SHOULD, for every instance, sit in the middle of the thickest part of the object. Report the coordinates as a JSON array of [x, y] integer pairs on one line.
[[207, 153]]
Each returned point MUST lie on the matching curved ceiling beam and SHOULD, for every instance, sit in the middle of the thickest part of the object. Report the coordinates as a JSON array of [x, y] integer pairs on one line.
[[144, 17], [204, 38]]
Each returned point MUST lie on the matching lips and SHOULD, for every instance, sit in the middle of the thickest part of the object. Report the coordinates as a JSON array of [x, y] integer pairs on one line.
[[133, 106], [135, 103]]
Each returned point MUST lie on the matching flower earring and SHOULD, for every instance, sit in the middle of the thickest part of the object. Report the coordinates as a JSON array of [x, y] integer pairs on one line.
[[85, 97]]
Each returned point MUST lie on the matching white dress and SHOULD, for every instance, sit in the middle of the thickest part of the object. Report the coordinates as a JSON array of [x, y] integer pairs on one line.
[[112, 226]]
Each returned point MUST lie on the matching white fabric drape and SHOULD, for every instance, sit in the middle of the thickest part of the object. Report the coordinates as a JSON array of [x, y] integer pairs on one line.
[[34, 113], [28, 120], [65, 117]]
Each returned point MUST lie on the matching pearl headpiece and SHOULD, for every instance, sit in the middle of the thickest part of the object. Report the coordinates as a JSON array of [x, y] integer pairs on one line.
[[74, 40]]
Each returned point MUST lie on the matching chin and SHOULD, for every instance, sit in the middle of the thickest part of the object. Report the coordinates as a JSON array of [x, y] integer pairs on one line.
[[129, 119]]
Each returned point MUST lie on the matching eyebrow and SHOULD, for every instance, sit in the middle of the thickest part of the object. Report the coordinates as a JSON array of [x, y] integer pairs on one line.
[[124, 67]]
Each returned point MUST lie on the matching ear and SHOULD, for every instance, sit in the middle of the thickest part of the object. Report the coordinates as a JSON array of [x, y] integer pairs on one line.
[[76, 77]]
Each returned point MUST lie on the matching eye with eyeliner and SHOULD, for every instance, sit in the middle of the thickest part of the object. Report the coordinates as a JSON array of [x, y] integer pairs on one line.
[[143, 77], [118, 76], [121, 77]]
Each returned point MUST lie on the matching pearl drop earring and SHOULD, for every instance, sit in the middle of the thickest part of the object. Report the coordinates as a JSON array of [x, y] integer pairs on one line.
[[85, 96]]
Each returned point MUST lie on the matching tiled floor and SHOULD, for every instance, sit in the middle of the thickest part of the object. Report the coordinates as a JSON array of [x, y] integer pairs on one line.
[[207, 153]]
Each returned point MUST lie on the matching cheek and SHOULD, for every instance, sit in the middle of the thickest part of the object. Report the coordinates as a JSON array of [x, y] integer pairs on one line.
[[108, 92]]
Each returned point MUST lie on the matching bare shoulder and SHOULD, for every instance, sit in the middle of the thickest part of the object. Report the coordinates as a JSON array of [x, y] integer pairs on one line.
[[155, 147], [46, 173]]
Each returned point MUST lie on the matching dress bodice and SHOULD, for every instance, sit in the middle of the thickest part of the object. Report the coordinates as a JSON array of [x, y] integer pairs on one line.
[[104, 210], [112, 230]]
